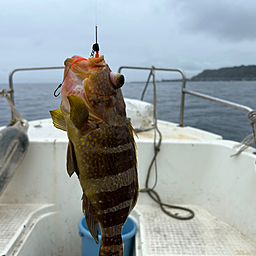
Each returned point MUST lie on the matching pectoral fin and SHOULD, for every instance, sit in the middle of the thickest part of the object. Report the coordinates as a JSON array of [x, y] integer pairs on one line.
[[71, 160], [78, 112], [58, 119], [91, 222]]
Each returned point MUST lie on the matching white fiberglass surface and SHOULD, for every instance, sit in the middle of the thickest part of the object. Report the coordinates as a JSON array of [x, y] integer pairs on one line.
[[203, 235], [189, 172]]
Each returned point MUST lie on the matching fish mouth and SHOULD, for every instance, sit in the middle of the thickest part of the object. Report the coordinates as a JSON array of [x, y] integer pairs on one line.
[[77, 69], [78, 63]]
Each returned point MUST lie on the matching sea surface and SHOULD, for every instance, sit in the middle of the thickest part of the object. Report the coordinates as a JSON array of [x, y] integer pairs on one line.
[[34, 101]]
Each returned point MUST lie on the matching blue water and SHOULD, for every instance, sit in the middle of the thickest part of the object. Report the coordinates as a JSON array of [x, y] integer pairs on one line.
[[35, 100]]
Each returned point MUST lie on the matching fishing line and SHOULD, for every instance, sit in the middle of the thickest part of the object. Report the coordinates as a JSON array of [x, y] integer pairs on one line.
[[96, 33], [76, 61], [95, 47], [96, 14]]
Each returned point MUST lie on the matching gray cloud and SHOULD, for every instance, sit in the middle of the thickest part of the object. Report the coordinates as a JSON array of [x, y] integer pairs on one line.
[[223, 19], [188, 34]]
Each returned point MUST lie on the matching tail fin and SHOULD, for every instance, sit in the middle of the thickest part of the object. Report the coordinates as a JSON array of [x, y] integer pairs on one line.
[[111, 246]]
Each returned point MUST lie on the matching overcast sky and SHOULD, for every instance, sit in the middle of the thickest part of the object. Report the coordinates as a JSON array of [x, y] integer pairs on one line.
[[192, 35]]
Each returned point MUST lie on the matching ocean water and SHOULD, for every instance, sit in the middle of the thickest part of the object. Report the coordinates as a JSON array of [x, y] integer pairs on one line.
[[35, 100]]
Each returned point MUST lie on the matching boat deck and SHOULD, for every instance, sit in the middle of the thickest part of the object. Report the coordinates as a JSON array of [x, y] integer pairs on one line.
[[205, 234], [157, 233], [43, 130], [40, 218], [13, 229]]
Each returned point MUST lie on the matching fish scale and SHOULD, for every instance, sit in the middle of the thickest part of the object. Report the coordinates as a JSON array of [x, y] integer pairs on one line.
[[101, 149]]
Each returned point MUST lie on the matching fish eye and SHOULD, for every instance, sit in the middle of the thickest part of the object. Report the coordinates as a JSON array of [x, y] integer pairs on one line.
[[120, 80], [117, 80]]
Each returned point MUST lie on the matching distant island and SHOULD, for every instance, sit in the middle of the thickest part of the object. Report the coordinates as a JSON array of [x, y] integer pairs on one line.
[[241, 73]]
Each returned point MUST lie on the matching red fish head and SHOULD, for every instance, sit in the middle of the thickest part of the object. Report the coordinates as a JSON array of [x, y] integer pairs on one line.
[[92, 80]]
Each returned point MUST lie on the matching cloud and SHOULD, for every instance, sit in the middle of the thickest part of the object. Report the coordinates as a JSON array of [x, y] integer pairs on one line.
[[192, 35], [226, 20]]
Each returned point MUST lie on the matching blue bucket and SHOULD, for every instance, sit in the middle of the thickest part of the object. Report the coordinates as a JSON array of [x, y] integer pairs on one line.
[[89, 246]]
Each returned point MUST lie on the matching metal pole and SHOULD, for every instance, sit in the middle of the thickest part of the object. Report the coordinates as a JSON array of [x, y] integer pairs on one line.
[[24, 69], [221, 101], [171, 70], [182, 104], [146, 86]]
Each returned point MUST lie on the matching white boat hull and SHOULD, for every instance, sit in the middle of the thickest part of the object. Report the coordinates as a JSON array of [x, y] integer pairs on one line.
[[194, 168]]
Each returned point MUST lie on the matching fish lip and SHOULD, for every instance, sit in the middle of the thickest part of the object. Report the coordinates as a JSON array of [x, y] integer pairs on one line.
[[97, 62], [90, 63]]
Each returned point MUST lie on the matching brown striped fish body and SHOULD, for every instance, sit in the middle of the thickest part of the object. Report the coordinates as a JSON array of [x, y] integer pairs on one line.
[[101, 147]]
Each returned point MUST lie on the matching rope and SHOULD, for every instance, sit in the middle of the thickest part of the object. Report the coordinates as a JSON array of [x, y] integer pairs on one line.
[[251, 138], [5, 92], [146, 86], [151, 192], [252, 117]]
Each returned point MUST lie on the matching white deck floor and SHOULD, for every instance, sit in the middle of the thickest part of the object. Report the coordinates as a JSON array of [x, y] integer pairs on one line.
[[15, 221], [202, 235], [157, 233]]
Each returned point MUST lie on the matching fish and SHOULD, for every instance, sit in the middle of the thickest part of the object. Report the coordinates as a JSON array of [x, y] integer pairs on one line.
[[101, 148]]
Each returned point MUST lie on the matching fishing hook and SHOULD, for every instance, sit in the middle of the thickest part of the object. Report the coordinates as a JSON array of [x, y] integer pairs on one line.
[[55, 92], [56, 95]]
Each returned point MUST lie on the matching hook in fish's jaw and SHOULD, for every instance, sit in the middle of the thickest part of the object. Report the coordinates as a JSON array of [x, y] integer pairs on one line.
[[117, 80]]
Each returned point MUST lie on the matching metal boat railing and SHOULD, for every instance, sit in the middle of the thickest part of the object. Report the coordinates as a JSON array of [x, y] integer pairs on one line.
[[152, 69], [193, 93], [24, 69], [251, 113]]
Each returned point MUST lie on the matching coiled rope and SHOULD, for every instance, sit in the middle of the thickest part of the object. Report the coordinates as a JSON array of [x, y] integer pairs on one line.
[[151, 191]]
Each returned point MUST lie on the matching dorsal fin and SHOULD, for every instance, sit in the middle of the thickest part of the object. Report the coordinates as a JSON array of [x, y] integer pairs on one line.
[[58, 119], [78, 112], [71, 160]]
